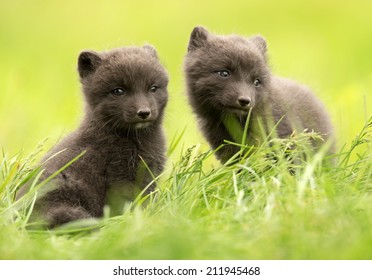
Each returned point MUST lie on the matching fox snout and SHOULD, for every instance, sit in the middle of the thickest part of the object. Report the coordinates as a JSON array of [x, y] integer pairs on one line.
[[144, 113], [244, 100], [244, 96]]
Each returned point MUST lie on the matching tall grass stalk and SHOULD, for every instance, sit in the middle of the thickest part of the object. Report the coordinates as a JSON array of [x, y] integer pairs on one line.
[[266, 205]]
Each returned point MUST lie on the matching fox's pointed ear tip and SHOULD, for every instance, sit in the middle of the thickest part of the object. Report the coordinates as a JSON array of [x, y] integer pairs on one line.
[[150, 49], [198, 35], [87, 55], [88, 62], [199, 29], [260, 42], [260, 38]]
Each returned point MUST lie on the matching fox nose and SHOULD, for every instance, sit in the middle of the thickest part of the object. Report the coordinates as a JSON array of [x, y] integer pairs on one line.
[[144, 113], [244, 101]]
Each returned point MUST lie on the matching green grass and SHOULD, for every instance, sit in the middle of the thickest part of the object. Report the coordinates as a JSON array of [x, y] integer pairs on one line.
[[257, 208], [202, 209]]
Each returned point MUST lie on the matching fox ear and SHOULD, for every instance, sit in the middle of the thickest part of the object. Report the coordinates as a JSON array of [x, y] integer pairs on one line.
[[198, 38], [88, 63], [260, 43], [151, 50]]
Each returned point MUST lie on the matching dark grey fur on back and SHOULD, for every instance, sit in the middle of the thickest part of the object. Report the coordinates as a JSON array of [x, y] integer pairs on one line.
[[125, 93], [227, 76]]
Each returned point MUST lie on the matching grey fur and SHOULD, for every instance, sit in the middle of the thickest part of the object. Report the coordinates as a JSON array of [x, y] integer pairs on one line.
[[275, 99], [119, 130]]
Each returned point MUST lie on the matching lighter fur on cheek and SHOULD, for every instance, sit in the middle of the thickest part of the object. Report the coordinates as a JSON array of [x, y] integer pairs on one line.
[[141, 125]]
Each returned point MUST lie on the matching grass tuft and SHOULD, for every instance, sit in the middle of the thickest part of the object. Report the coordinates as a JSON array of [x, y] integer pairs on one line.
[[280, 202]]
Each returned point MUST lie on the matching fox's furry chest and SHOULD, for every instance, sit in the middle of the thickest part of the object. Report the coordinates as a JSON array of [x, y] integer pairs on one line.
[[129, 170], [122, 160]]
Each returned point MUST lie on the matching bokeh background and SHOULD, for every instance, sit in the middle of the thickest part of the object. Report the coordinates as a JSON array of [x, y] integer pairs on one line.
[[324, 44]]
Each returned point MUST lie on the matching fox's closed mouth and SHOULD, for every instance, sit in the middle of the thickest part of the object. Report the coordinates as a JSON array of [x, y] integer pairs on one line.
[[237, 110], [142, 124]]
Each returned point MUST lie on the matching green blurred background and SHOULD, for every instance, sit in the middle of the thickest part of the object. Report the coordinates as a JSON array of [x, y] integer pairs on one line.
[[324, 44]]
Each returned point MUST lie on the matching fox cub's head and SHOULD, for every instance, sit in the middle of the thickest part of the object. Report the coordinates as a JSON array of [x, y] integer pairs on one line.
[[125, 88], [225, 73]]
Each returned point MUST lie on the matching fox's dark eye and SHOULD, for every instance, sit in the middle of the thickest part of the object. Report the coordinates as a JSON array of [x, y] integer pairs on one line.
[[224, 73], [118, 91], [154, 88], [257, 82]]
